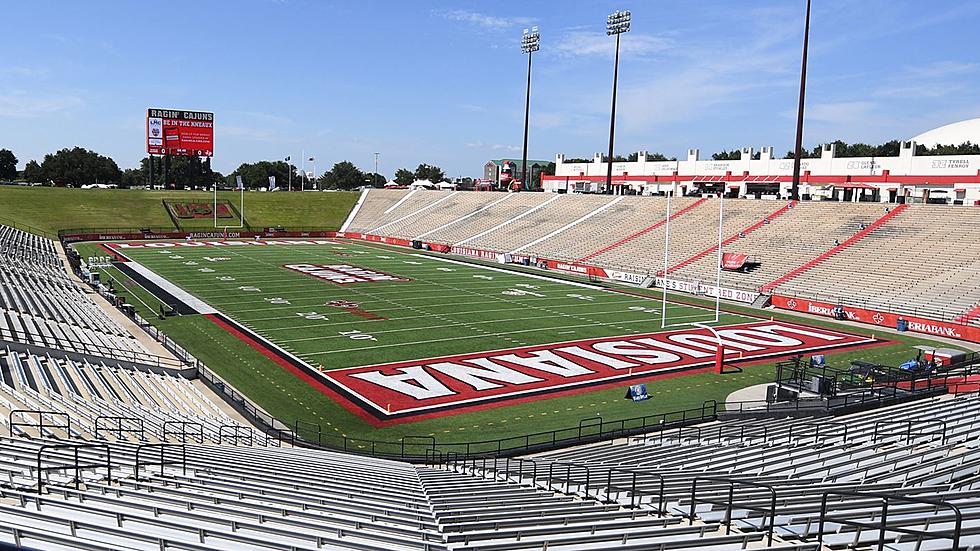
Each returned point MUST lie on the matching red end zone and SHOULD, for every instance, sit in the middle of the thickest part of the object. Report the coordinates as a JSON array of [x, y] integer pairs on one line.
[[421, 388]]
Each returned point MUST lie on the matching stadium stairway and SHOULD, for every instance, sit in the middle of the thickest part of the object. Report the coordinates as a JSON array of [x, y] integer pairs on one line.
[[768, 287], [732, 238], [971, 315], [645, 230]]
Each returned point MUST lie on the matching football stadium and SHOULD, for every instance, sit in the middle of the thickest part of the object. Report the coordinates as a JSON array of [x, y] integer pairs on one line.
[[609, 353]]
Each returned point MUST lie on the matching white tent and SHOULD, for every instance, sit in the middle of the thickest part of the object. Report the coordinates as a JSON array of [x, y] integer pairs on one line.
[[422, 184]]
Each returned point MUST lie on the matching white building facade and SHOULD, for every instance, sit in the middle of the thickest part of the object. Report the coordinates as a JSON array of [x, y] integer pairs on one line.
[[906, 178]]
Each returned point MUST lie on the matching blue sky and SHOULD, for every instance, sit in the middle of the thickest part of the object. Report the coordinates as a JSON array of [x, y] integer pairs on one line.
[[443, 82]]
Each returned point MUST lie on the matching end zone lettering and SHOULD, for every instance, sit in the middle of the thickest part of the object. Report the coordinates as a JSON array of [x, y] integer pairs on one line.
[[342, 274], [418, 387]]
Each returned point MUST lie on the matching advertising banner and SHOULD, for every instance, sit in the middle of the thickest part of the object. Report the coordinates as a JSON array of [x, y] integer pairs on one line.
[[880, 318]]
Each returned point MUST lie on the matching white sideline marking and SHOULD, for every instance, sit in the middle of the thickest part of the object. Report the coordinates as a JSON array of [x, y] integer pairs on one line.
[[504, 223], [353, 212], [570, 224], [474, 213], [197, 304], [525, 274], [411, 214], [402, 200]]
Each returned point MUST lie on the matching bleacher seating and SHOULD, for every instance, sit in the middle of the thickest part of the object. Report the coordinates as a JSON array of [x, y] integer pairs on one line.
[[41, 305], [86, 391], [921, 261]]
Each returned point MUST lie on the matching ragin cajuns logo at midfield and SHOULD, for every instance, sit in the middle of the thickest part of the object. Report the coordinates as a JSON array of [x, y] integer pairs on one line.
[[342, 274], [418, 387], [354, 308]]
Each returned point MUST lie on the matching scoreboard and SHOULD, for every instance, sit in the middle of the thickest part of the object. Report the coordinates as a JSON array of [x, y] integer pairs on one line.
[[179, 132]]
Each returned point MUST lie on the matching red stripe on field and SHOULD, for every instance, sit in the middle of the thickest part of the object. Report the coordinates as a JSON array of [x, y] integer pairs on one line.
[[646, 230], [731, 238]]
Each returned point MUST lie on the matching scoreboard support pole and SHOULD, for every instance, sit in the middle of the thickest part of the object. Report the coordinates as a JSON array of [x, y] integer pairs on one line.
[[150, 162]]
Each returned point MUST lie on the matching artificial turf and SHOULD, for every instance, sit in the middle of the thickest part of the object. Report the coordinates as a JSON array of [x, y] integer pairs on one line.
[[445, 308]]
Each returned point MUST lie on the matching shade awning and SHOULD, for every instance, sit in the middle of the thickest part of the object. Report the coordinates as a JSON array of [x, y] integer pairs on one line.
[[853, 185]]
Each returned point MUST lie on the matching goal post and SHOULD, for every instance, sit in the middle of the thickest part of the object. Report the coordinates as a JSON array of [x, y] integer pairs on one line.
[[241, 210], [666, 281]]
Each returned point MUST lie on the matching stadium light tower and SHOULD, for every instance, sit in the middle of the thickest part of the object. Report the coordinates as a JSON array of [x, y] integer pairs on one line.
[[374, 179], [530, 43], [617, 23], [795, 191]]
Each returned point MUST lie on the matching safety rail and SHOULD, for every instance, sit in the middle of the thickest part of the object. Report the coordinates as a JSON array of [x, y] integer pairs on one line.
[[137, 428], [183, 433], [78, 467], [599, 477], [163, 462], [40, 425], [882, 525], [275, 438], [730, 504], [909, 432], [237, 434], [817, 426]]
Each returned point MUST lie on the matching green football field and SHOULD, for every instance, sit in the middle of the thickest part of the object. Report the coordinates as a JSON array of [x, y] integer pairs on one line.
[[443, 308], [435, 307]]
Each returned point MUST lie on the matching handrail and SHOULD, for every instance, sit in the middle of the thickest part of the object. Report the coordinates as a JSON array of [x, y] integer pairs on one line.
[[817, 426], [137, 421], [882, 524], [729, 504], [238, 433], [162, 446], [40, 425], [76, 465], [183, 434], [910, 424]]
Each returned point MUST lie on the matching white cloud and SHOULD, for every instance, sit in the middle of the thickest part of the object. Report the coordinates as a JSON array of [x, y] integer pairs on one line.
[[23, 105], [493, 147], [934, 80], [592, 43], [486, 21], [840, 113], [25, 72]]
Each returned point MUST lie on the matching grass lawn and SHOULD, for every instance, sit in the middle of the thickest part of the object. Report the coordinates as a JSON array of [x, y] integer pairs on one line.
[[444, 309], [48, 209]]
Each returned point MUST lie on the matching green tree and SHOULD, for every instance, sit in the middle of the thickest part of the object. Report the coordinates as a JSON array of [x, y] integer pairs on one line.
[[375, 180], [431, 173], [725, 155], [8, 165], [256, 175], [33, 173], [404, 176], [343, 175], [548, 169], [79, 166]]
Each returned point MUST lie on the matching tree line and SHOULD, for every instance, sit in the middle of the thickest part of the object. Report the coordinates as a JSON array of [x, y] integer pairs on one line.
[[78, 166]]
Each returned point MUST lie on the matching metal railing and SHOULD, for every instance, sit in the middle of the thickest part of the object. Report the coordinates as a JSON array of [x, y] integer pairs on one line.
[[40, 425], [135, 426], [729, 504], [840, 516], [78, 467], [163, 462]]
